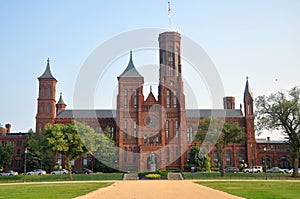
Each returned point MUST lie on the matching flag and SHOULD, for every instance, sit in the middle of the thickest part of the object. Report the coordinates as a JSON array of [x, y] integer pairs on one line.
[[169, 9]]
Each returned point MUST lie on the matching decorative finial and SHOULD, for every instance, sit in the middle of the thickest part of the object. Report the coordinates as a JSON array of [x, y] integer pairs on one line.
[[150, 88], [247, 78], [48, 61], [60, 94], [169, 14]]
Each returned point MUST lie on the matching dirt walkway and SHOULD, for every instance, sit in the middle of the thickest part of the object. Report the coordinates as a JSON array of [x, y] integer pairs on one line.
[[156, 189]]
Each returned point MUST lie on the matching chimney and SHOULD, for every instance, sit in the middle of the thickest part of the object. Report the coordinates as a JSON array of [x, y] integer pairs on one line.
[[268, 138], [8, 127], [229, 102]]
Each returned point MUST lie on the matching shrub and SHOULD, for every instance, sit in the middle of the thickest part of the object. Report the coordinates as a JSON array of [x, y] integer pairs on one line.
[[162, 172], [153, 176]]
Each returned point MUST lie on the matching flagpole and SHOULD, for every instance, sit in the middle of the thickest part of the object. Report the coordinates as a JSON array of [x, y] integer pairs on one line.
[[169, 14]]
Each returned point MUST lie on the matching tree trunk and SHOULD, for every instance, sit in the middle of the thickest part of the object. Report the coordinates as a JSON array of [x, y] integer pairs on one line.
[[68, 167], [295, 166], [222, 163]]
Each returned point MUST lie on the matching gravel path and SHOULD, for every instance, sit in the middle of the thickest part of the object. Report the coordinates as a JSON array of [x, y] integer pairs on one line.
[[150, 189]]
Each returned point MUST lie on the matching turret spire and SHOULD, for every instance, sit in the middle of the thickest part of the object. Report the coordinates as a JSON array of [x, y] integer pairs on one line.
[[47, 74]]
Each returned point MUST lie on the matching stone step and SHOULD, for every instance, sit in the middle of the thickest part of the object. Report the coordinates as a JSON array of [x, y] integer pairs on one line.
[[175, 176], [130, 176]]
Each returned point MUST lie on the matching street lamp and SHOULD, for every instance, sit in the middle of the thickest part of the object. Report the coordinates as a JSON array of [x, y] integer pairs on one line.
[[25, 165], [265, 150]]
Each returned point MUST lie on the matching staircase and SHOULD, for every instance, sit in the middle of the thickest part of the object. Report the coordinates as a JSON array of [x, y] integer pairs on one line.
[[130, 176], [175, 176]]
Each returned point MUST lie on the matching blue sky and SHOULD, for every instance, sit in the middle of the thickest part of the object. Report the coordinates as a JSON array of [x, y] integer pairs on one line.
[[256, 38]]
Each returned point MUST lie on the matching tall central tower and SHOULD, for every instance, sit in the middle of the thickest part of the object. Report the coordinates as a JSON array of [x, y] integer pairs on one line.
[[172, 99]]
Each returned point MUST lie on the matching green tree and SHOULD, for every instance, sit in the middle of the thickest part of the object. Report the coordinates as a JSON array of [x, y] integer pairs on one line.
[[6, 151], [38, 154], [64, 139], [199, 159], [101, 145], [281, 111], [212, 130]]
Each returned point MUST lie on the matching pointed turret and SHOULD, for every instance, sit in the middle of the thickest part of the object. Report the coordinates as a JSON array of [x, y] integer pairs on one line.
[[47, 74], [61, 105], [248, 91], [130, 70]]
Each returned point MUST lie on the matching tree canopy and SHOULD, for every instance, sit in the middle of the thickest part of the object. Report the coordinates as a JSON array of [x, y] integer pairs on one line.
[[281, 111], [6, 151], [220, 133]]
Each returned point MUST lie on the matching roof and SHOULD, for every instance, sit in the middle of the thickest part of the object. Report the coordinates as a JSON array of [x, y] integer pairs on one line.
[[83, 113], [130, 70], [204, 113], [190, 113], [60, 101], [248, 90], [47, 74]]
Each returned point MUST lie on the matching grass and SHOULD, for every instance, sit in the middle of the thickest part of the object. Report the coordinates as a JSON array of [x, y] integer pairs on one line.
[[49, 190], [258, 189], [53, 178], [237, 176]]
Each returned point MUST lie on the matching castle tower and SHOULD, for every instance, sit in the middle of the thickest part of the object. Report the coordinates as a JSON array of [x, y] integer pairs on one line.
[[46, 109], [249, 125], [61, 105], [172, 100], [229, 102], [129, 109]]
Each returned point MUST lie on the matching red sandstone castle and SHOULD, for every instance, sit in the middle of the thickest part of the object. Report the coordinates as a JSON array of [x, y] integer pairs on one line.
[[162, 128]]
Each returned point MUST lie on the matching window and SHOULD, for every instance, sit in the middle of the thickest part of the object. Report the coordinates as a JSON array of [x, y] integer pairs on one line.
[[216, 158], [43, 91], [145, 139], [168, 99], [135, 98], [174, 99], [125, 154], [163, 61], [170, 61], [151, 139], [249, 107], [72, 162], [125, 129], [167, 129], [42, 108], [167, 155], [190, 134], [176, 61], [49, 91], [176, 129], [125, 98], [228, 157], [134, 130], [59, 159], [48, 108], [241, 155], [85, 160], [157, 139], [134, 154], [177, 155]]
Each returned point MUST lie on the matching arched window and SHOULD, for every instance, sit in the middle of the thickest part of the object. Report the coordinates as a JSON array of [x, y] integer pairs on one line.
[[168, 99], [49, 91], [176, 129], [43, 91], [125, 129], [48, 108], [85, 160], [167, 129], [174, 99], [125, 154], [42, 108], [134, 154], [250, 109], [228, 157], [135, 98], [125, 98], [167, 155], [134, 129], [241, 155]]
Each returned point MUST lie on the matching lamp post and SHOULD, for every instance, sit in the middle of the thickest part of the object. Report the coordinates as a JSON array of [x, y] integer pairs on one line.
[[25, 165], [265, 150]]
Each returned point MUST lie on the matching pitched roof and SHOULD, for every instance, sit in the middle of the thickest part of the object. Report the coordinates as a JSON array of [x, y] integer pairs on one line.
[[130, 70], [220, 113], [47, 74], [190, 113], [247, 90], [60, 101]]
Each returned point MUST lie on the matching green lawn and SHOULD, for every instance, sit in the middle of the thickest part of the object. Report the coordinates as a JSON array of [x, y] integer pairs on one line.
[[51, 178], [49, 190], [257, 189]]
